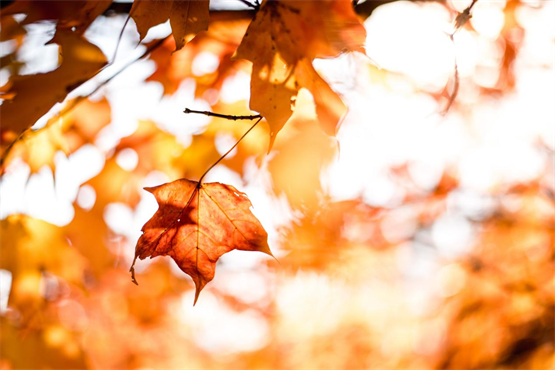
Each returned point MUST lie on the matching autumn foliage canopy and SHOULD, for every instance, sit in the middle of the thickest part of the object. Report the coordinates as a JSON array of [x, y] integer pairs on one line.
[[393, 161]]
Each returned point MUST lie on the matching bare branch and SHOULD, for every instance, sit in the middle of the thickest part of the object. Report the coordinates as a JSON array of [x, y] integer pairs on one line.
[[225, 116], [249, 4], [363, 9]]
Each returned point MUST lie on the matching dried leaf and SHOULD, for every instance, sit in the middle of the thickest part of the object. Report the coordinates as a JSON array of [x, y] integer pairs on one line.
[[286, 33], [330, 109], [34, 95], [186, 17], [196, 224], [77, 14]]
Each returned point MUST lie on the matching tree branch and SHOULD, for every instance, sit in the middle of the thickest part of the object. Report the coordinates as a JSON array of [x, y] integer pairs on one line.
[[364, 10], [250, 5], [68, 108], [225, 116]]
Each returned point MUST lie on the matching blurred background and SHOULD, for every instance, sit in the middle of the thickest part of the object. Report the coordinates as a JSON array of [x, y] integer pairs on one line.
[[422, 236]]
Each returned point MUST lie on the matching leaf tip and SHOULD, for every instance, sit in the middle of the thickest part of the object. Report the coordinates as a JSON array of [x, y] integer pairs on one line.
[[133, 280], [150, 189], [271, 143], [197, 293], [266, 250], [199, 285], [132, 271]]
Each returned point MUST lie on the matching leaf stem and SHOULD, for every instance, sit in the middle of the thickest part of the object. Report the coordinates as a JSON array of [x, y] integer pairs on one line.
[[233, 147]]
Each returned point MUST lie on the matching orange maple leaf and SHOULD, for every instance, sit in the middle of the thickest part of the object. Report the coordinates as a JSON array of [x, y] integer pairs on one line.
[[282, 41], [186, 17], [77, 14], [198, 223]]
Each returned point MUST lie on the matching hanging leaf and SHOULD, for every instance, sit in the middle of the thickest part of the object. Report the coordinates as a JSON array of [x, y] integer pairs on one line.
[[198, 223], [187, 17], [286, 33]]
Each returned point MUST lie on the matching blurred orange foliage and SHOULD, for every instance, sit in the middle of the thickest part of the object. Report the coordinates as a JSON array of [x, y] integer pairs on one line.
[[436, 252]]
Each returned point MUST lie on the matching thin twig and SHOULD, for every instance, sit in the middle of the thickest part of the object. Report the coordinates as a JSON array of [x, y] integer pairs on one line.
[[229, 151], [148, 50], [226, 116], [120, 37], [81, 98], [249, 4]]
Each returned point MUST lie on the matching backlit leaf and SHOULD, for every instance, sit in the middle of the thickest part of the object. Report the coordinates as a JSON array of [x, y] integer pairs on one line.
[[186, 17], [286, 36], [34, 95], [77, 14], [196, 224]]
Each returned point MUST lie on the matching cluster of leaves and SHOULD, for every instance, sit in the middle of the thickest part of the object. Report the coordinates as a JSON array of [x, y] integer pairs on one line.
[[71, 303], [281, 41]]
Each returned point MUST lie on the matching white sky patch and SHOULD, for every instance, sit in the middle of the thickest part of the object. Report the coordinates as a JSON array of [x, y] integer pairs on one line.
[[205, 63], [250, 287], [488, 18], [7, 47], [86, 197], [224, 142], [37, 195], [5, 287], [127, 159], [41, 200], [119, 217], [235, 88], [417, 34], [35, 55], [168, 113], [219, 329], [76, 169], [223, 174], [452, 235], [12, 188]]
